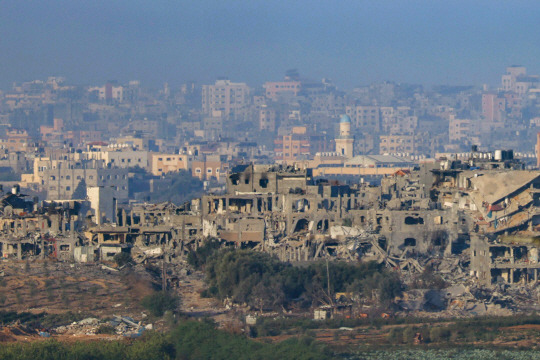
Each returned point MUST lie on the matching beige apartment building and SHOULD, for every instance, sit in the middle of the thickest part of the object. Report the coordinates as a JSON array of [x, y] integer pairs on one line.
[[365, 116], [122, 157], [460, 130], [274, 90], [161, 164], [69, 179], [16, 140], [225, 96], [211, 167], [267, 119], [390, 144]]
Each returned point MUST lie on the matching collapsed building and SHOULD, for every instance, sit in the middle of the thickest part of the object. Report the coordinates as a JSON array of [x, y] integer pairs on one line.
[[287, 212], [485, 207], [27, 229]]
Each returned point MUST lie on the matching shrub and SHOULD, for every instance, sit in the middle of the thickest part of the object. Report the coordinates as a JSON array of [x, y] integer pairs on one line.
[[395, 335], [435, 334], [105, 329], [122, 258], [160, 302], [408, 335], [198, 258], [264, 282]]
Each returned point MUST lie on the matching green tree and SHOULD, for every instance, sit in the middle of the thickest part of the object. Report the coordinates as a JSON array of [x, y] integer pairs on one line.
[[182, 187], [160, 302], [198, 258]]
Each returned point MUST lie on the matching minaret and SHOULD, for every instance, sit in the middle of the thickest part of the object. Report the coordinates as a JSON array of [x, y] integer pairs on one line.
[[345, 142]]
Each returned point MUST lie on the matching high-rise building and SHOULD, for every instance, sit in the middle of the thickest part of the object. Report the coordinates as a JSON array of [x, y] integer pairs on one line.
[[227, 97], [365, 117], [267, 119], [293, 146], [493, 107]]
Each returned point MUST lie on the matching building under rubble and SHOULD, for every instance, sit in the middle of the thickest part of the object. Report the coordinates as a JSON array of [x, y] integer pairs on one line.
[[288, 212], [486, 204]]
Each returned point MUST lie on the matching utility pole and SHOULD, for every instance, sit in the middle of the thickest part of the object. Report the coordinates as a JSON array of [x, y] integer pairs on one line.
[[163, 272], [328, 281]]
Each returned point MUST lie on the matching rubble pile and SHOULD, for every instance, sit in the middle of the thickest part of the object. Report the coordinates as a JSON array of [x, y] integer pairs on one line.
[[472, 223], [122, 325]]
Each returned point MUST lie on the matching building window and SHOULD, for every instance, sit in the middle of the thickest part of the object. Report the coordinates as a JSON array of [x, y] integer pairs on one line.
[[198, 171], [68, 188]]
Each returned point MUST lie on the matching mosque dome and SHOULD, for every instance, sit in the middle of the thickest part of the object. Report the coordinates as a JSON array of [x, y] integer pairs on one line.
[[345, 119]]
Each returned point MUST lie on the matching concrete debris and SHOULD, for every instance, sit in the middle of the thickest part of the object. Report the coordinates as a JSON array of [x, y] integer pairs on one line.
[[472, 226], [122, 325], [344, 231], [89, 321], [108, 268]]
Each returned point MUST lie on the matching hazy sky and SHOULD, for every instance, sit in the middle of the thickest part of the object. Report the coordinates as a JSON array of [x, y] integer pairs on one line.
[[352, 42]]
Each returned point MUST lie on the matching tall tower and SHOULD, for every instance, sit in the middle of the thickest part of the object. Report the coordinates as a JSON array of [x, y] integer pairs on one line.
[[345, 142]]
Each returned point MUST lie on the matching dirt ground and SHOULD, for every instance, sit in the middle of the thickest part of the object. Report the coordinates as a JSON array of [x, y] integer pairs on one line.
[[88, 289], [194, 305], [92, 291], [55, 287]]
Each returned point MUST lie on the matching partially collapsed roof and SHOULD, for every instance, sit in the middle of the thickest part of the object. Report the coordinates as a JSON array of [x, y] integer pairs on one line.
[[494, 187]]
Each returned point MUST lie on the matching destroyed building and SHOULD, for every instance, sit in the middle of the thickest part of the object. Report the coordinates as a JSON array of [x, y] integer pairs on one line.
[[286, 211], [483, 209], [27, 229]]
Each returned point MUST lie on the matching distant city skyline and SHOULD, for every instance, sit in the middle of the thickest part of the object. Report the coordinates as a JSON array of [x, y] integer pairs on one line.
[[354, 44]]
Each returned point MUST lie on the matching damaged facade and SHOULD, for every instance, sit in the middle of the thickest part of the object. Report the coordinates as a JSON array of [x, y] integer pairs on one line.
[[482, 208]]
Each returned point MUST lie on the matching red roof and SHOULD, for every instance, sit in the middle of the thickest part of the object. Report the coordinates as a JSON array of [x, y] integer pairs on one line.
[[495, 207], [402, 172]]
